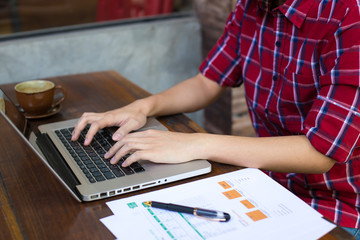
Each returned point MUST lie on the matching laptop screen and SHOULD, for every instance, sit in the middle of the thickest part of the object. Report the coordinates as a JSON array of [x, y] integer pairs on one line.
[[12, 112]]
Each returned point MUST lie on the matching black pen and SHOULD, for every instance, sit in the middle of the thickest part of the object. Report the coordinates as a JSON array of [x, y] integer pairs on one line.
[[200, 212]]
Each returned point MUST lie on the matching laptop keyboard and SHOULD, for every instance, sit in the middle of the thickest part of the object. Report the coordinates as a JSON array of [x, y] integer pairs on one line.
[[91, 159]]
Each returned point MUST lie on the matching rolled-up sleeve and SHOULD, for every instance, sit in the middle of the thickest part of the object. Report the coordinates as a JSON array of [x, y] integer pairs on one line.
[[333, 123]]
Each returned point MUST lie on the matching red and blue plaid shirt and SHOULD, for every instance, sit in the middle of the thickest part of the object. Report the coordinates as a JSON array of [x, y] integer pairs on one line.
[[300, 66]]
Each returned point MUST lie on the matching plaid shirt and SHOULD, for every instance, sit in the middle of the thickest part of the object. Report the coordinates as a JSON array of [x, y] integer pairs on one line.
[[300, 66]]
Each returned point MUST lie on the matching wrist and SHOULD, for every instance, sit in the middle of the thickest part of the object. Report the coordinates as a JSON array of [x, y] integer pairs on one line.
[[145, 106], [205, 146]]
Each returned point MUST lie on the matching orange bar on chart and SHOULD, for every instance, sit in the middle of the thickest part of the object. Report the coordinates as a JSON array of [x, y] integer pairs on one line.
[[232, 194], [247, 204], [225, 185], [256, 215]]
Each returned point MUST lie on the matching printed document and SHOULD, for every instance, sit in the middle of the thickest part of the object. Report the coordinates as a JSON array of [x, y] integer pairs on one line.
[[260, 208]]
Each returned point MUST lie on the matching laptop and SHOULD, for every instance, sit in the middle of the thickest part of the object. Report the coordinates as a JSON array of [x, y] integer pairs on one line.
[[83, 170]]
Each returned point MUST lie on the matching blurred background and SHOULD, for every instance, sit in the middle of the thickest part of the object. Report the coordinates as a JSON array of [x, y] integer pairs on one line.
[[27, 15], [153, 43]]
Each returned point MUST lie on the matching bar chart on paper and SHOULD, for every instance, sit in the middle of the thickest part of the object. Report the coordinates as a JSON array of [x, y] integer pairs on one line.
[[253, 200]]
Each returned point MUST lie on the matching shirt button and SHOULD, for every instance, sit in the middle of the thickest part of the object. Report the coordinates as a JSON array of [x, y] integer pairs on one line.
[[267, 111], [278, 43], [275, 77]]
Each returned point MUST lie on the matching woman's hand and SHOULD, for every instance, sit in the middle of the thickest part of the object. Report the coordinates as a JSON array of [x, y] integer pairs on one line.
[[127, 118], [156, 146]]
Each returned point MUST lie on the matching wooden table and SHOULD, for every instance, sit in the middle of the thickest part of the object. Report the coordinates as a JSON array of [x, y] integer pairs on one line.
[[34, 205]]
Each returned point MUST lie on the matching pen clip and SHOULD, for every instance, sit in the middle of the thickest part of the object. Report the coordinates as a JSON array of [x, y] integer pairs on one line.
[[216, 219]]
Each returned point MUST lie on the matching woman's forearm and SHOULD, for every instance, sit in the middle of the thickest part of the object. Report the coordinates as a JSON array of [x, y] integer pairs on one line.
[[281, 154], [188, 96]]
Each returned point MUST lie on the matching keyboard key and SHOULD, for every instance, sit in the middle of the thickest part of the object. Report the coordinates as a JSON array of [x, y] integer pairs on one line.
[[109, 175], [87, 162], [104, 170], [96, 174], [127, 170], [137, 167], [98, 162], [92, 170], [102, 165], [90, 165], [118, 173], [100, 178]]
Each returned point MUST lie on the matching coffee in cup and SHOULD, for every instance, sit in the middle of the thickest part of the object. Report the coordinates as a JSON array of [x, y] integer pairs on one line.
[[37, 96]]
